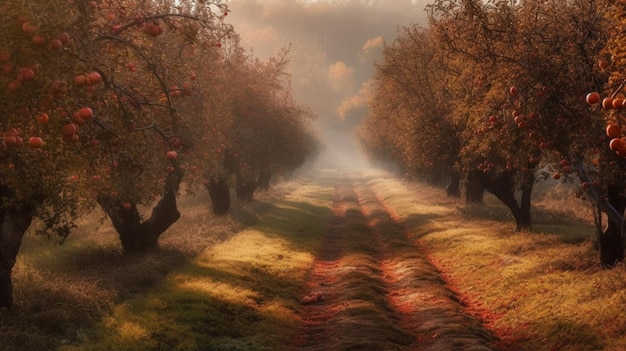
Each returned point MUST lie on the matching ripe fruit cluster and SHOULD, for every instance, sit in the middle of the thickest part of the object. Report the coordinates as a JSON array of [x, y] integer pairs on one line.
[[613, 130], [11, 138], [312, 298], [69, 133], [88, 81], [608, 103], [82, 115]]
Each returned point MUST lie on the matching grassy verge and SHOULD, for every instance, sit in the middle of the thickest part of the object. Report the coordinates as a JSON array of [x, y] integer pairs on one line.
[[63, 293], [239, 294], [539, 290]]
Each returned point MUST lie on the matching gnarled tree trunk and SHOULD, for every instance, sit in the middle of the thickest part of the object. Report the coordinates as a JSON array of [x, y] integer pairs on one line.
[[503, 188], [13, 225], [137, 236], [220, 195]]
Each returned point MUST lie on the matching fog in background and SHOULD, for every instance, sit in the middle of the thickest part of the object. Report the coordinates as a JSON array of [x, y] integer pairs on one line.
[[333, 48]]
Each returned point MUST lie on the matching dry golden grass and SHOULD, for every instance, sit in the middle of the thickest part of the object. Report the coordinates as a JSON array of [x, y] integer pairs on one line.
[[239, 292], [539, 290], [63, 292]]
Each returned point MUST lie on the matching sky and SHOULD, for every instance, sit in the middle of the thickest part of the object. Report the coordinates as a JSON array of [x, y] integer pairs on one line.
[[333, 47]]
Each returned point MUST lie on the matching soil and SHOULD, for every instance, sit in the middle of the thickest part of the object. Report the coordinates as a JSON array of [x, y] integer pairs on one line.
[[377, 288]]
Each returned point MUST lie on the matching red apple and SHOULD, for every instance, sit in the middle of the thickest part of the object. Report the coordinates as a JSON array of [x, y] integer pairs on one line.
[[56, 44], [171, 155], [39, 39], [42, 117], [69, 129], [26, 74], [616, 144], [613, 130], [80, 79], [28, 28], [93, 78], [35, 142], [593, 98], [85, 112]]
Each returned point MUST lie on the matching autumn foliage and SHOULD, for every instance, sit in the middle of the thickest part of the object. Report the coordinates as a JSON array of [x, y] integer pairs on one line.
[[117, 103], [504, 94]]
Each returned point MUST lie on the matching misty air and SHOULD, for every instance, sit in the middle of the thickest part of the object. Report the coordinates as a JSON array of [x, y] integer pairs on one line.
[[312, 175]]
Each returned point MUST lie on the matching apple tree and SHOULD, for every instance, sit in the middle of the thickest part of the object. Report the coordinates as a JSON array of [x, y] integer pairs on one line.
[[410, 110], [606, 185], [270, 134], [265, 131], [89, 113], [154, 107], [529, 60], [504, 86], [38, 166]]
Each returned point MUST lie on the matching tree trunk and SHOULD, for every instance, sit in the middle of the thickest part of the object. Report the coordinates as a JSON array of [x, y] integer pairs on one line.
[[503, 188], [220, 196], [454, 188], [527, 190], [245, 189], [137, 236], [264, 180], [474, 190], [611, 240], [509, 200], [13, 225]]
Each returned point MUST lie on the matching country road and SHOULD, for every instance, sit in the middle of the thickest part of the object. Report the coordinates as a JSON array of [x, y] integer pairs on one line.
[[393, 266], [380, 291]]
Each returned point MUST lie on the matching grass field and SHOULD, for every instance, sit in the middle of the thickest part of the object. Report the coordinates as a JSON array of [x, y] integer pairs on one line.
[[539, 290], [234, 283]]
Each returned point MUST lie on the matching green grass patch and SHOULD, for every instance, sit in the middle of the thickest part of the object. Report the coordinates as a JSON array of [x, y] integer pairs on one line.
[[241, 293], [85, 294]]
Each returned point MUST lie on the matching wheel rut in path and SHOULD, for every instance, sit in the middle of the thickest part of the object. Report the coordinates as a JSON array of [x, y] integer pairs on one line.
[[379, 290]]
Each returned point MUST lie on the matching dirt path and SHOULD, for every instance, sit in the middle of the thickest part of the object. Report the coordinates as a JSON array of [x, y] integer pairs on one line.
[[378, 291]]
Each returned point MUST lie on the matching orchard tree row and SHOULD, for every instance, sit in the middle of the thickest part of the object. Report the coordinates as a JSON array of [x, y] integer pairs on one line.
[[116, 103], [499, 94]]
